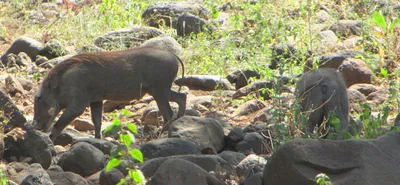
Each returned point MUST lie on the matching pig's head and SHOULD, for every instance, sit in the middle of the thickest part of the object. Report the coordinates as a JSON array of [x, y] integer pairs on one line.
[[45, 106]]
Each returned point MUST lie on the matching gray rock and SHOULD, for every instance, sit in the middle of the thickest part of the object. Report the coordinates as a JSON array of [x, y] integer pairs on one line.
[[127, 38], [167, 13], [332, 60], [326, 61], [345, 28], [208, 162], [110, 178], [323, 17], [83, 159], [355, 71], [249, 107], [103, 145], [189, 23], [253, 143], [284, 53], [167, 147], [257, 87], [365, 89], [54, 61], [355, 162], [164, 43], [89, 48], [33, 175], [204, 82], [24, 44], [18, 166], [69, 135], [55, 168], [207, 133], [356, 100], [251, 165], [378, 97], [327, 39], [67, 178], [255, 127], [241, 77], [235, 136], [256, 179], [13, 85], [53, 49], [189, 173], [11, 112], [35, 144], [232, 157]]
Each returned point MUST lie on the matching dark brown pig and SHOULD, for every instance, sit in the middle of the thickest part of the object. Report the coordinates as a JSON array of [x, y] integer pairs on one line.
[[320, 91], [89, 78]]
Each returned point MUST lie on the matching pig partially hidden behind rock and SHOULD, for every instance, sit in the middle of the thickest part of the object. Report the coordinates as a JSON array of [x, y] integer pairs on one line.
[[321, 91], [89, 78]]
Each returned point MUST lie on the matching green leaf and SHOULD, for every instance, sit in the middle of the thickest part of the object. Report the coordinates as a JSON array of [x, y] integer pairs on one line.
[[132, 127], [394, 24], [116, 121], [137, 154], [122, 181], [112, 163], [346, 135], [125, 112], [116, 124], [379, 20], [116, 151], [215, 12], [137, 175], [126, 138], [384, 72]]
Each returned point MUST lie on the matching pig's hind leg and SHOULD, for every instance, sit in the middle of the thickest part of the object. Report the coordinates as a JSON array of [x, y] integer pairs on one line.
[[162, 96], [180, 99], [96, 109]]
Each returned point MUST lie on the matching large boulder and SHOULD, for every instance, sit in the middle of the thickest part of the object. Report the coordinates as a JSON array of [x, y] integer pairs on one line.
[[167, 147], [11, 112], [167, 13], [110, 178], [242, 77], [33, 175], [165, 43], [355, 71], [35, 144], [182, 172], [127, 38], [67, 178], [204, 82], [208, 162], [207, 133], [83, 159], [104, 145], [350, 162], [27, 45], [189, 23], [345, 28]]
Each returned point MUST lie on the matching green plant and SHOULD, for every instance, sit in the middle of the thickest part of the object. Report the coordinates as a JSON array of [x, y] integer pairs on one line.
[[384, 29], [3, 179], [3, 31], [126, 151], [323, 179], [373, 127]]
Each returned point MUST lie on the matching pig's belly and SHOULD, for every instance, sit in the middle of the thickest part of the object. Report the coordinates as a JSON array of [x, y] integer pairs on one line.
[[126, 94]]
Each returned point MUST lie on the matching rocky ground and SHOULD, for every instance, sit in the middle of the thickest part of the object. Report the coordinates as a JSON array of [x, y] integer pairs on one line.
[[240, 125]]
